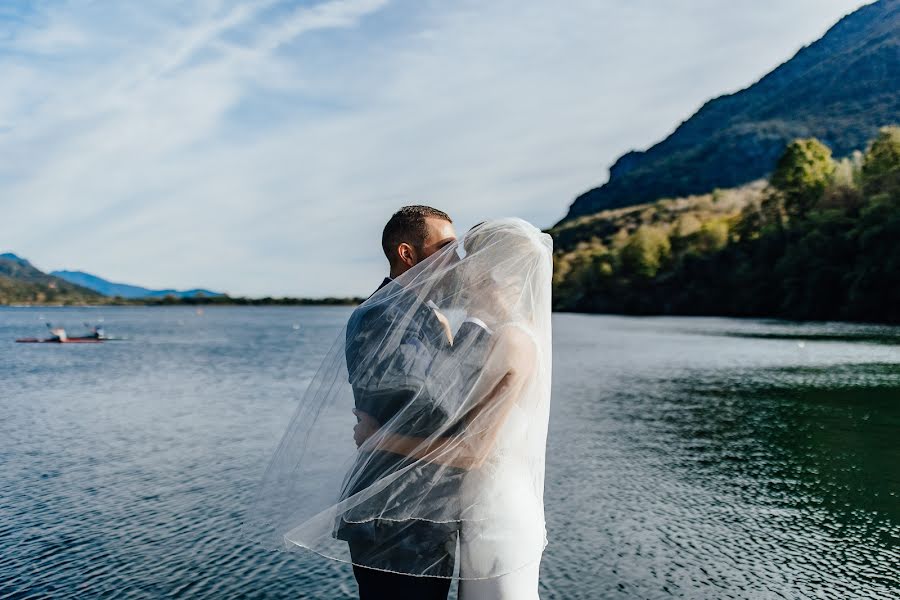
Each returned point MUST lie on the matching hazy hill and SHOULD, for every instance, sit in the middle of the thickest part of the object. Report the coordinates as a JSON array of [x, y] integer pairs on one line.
[[109, 288], [23, 283], [839, 89]]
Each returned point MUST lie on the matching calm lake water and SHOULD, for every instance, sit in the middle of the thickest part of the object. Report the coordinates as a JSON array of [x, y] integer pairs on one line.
[[695, 458]]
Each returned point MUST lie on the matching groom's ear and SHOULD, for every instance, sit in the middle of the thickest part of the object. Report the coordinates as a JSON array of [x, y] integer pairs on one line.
[[407, 254]]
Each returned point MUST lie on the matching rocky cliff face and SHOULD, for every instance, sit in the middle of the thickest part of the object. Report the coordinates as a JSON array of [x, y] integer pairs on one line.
[[840, 89]]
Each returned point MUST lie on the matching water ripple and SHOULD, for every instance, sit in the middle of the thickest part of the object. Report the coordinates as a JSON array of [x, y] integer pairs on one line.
[[696, 458]]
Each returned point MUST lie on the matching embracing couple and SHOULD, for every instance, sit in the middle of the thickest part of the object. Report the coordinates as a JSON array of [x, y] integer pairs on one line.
[[446, 370]]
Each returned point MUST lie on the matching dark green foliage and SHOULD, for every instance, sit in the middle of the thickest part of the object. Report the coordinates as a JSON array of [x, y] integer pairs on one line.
[[837, 257], [879, 170], [873, 287], [802, 174], [225, 300], [646, 251], [837, 89]]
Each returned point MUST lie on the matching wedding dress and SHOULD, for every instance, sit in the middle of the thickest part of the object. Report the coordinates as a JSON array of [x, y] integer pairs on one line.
[[456, 455], [502, 487]]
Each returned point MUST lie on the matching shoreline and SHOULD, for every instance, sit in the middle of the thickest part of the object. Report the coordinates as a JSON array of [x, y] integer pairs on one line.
[[143, 302], [293, 302], [760, 317]]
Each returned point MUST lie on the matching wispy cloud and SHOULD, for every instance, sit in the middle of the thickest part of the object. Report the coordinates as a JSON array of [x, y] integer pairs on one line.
[[259, 147]]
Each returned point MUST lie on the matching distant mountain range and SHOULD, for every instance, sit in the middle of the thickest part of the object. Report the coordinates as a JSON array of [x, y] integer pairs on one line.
[[23, 283], [840, 89], [109, 288]]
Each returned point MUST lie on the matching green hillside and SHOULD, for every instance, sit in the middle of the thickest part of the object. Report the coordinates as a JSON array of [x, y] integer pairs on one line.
[[22, 283], [820, 240]]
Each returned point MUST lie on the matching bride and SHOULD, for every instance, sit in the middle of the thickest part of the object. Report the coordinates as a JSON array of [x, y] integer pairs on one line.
[[448, 372]]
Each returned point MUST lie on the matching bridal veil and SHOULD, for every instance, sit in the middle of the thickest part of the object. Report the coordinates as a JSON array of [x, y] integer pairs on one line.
[[449, 367]]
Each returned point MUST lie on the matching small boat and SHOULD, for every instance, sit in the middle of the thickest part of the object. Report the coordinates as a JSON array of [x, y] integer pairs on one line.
[[75, 340], [58, 336]]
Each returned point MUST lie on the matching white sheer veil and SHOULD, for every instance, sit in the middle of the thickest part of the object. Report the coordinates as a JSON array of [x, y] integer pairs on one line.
[[452, 363]]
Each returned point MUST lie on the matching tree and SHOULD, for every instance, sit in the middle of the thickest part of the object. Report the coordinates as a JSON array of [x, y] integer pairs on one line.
[[802, 174], [875, 281], [713, 236], [881, 164], [687, 224], [750, 222], [646, 250]]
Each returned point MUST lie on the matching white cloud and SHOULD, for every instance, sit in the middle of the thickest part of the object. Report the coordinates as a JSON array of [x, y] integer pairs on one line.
[[258, 148]]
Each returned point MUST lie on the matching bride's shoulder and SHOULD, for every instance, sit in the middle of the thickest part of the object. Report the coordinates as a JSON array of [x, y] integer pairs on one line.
[[514, 330], [516, 339]]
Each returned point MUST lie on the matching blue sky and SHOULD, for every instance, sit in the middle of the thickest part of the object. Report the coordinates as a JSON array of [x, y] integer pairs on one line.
[[259, 147]]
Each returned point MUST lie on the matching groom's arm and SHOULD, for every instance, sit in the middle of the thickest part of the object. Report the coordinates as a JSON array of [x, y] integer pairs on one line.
[[381, 383]]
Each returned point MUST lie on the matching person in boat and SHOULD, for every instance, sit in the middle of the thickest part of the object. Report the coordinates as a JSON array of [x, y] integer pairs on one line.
[[58, 334]]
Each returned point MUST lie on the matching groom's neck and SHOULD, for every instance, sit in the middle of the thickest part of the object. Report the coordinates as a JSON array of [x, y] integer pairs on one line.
[[395, 273]]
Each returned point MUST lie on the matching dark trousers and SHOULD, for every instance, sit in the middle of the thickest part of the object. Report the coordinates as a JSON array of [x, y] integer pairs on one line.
[[391, 549], [383, 585]]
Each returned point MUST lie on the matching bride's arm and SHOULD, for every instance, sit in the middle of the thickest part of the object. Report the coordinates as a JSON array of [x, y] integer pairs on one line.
[[461, 451], [511, 361]]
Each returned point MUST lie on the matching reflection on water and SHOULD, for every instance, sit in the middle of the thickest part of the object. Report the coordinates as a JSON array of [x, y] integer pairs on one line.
[[702, 458]]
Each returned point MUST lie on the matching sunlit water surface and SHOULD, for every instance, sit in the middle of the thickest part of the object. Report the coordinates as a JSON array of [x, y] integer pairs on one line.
[[695, 458]]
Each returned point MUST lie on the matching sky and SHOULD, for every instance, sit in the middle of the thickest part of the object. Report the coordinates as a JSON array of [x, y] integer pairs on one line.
[[258, 148]]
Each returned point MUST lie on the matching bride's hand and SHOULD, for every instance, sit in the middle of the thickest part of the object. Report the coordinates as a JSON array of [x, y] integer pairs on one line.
[[445, 325], [365, 427]]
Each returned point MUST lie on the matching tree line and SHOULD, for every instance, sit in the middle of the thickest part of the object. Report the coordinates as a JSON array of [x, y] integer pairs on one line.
[[820, 240]]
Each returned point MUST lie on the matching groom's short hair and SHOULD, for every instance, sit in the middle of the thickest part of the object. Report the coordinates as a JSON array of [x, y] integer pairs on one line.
[[408, 225]]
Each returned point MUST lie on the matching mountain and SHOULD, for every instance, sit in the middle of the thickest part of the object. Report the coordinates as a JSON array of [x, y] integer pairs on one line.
[[817, 241], [839, 89], [23, 283], [10, 257], [108, 288]]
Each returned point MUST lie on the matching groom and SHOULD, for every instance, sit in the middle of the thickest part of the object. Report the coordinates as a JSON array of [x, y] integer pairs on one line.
[[411, 235]]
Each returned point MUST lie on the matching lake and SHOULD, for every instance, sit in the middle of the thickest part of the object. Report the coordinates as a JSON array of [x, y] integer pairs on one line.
[[688, 457]]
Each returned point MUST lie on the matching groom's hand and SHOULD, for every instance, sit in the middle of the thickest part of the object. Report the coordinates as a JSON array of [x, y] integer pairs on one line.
[[366, 425]]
